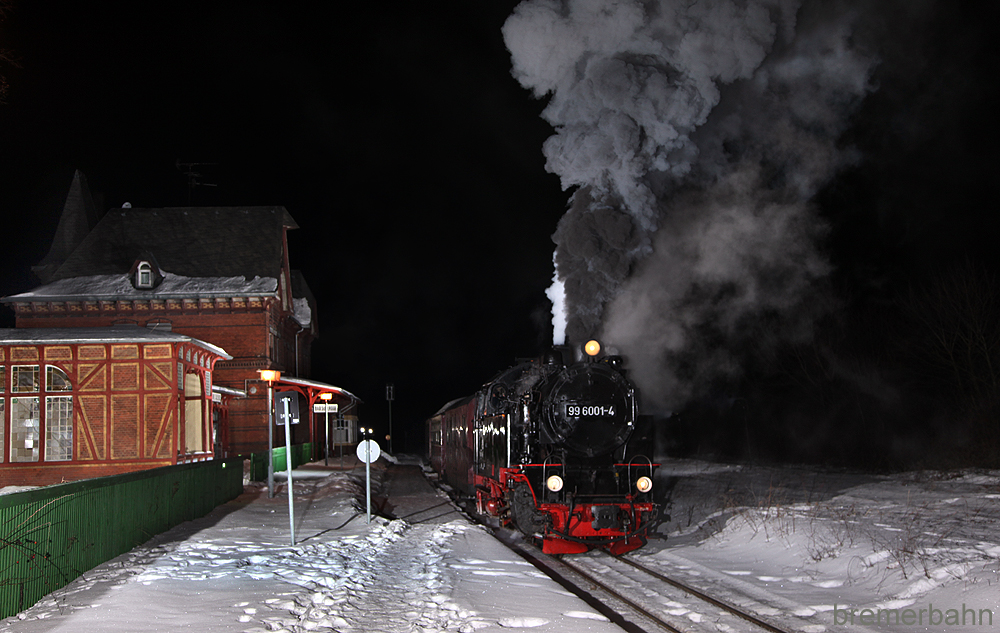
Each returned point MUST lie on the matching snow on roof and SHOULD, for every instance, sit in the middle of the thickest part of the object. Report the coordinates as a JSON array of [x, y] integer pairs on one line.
[[303, 313], [322, 386], [95, 287], [112, 334]]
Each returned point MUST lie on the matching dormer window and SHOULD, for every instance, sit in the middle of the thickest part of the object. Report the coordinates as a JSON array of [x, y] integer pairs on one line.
[[145, 272], [144, 275]]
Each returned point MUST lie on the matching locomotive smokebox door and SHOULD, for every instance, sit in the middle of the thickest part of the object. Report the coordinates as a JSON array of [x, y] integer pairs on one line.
[[590, 410]]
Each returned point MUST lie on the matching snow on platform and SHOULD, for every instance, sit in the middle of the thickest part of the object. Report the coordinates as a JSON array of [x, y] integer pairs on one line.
[[430, 569], [804, 548]]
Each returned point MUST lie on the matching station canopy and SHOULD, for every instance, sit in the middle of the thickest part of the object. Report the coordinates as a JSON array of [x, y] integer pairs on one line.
[[312, 389]]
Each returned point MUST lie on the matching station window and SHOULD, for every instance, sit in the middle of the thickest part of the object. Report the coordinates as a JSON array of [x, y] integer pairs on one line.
[[58, 428], [25, 415], [24, 379], [24, 429], [56, 380], [144, 275], [193, 414]]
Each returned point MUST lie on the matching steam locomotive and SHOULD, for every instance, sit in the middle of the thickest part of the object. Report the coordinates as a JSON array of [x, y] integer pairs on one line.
[[544, 447]]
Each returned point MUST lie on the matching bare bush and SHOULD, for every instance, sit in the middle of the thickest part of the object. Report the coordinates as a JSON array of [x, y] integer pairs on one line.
[[957, 344]]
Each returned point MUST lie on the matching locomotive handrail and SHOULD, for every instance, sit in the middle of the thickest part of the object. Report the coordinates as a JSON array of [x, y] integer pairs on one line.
[[545, 465], [649, 464]]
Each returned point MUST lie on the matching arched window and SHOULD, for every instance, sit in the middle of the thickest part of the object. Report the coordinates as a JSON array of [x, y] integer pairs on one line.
[[56, 379], [144, 275]]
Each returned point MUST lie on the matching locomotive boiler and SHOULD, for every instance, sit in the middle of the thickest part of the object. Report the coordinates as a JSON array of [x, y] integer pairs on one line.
[[544, 447]]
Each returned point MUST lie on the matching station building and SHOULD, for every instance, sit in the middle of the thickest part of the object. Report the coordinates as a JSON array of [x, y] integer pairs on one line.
[[86, 402], [218, 276]]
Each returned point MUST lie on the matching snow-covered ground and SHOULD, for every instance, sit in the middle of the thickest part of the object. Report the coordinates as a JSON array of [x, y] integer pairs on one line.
[[236, 570], [795, 544], [791, 544]]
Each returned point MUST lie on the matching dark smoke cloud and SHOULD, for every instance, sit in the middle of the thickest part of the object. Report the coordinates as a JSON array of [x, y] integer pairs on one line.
[[694, 134]]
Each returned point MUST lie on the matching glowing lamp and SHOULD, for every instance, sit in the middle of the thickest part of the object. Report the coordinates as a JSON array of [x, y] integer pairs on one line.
[[593, 348], [326, 395], [270, 375], [554, 483], [644, 484]]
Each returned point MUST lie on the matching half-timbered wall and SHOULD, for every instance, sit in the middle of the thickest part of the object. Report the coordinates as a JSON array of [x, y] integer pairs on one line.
[[258, 332], [74, 411]]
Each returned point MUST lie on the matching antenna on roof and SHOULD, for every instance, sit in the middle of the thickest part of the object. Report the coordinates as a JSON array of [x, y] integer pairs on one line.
[[193, 176]]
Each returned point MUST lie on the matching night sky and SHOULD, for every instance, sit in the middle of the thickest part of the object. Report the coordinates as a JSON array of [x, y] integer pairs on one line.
[[411, 158]]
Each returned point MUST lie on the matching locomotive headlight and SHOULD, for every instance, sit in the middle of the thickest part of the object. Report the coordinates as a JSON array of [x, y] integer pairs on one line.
[[644, 484], [554, 483], [593, 348]]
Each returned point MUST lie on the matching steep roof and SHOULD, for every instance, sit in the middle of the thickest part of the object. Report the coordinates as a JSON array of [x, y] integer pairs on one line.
[[79, 215], [186, 241]]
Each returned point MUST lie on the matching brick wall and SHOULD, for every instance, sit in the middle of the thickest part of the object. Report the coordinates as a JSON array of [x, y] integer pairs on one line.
[[46, 474], [127, 409], [245, 333]]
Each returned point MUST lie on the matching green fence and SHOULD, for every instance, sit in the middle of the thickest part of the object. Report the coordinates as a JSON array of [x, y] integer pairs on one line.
[[49, 536], [301, 454]]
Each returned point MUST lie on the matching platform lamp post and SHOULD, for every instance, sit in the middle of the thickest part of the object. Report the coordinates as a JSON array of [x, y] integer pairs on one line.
[[326, 396], [270, 376]]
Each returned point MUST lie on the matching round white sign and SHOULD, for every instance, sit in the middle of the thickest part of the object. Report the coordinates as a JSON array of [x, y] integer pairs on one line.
[[368, 451]]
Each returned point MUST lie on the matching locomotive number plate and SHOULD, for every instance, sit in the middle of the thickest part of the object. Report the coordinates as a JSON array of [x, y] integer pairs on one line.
[[589, 410]]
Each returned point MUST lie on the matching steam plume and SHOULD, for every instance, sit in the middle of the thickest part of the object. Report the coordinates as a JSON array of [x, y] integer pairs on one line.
[[693, 135]]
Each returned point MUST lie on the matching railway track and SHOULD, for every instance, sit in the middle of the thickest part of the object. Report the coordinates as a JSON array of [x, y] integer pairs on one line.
[[637, 598], [612, 600]]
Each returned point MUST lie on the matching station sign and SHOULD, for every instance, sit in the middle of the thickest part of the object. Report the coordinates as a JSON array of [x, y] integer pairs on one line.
[[286, 404], [369, 451], [323, 407]]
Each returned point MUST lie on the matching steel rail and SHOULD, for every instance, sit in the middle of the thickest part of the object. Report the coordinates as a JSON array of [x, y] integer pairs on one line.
[[550, 566], [555, 568], [740, 613]]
